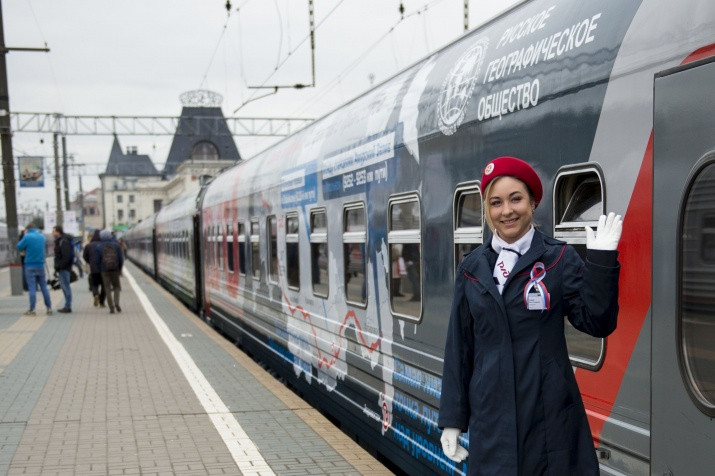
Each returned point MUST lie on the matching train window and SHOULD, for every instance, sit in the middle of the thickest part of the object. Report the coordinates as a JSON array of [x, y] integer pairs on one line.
[[272, 230], [292, 257], [241, 249], [229, 248], [579, 200], [404, 240], [468, 220], [319, 252], [697, 288], [354, 240], [255, 250], [220, 243], [214, 242]]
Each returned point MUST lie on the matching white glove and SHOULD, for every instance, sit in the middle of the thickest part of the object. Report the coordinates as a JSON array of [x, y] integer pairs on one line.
[[451, 449], [607, 234]]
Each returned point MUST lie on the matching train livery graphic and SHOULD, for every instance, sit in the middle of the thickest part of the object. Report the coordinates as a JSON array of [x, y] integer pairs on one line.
[[331, 255]]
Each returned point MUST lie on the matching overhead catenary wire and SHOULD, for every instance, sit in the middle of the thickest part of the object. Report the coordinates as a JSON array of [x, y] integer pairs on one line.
[[306, 38], [48, 57], [337, 80], [213, 55], [280, 37]]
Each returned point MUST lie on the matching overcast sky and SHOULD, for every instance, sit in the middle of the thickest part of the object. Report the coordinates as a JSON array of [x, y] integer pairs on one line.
[[136, 57]]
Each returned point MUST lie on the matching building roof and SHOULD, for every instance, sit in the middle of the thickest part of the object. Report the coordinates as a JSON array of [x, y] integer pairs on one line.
[[197, 125], [130, 164]]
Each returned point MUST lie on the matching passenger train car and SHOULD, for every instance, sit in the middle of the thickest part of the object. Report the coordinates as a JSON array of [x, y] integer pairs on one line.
[[332, 254], [141, 243], [176, 263]]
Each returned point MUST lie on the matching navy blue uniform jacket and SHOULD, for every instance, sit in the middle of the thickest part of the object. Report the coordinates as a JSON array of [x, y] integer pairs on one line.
[[507, 376]]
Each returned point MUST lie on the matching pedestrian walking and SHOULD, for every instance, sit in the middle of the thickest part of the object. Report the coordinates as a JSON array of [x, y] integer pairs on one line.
[[64, 259], [91, 256], [33, 246], [111, 262]]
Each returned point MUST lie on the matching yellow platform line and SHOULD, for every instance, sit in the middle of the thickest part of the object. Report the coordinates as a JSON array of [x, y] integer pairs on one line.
[[14, 338]]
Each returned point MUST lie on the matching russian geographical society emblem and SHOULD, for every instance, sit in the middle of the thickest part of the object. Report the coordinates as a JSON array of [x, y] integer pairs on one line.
[[458, 86]]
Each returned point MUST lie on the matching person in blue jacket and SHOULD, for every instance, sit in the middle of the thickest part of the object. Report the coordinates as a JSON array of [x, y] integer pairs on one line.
[[33, 244], [507, 378]]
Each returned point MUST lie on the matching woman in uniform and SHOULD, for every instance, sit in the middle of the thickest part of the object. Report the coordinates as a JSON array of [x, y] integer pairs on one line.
[[507, 377]]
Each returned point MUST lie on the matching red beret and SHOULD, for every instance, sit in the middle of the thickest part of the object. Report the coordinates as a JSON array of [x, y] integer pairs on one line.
[[513, 167]]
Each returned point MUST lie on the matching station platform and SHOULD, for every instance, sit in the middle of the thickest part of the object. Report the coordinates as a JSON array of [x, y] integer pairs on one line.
[[152, 390]]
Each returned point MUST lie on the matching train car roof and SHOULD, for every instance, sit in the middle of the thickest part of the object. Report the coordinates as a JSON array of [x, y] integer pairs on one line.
[[182, 206]]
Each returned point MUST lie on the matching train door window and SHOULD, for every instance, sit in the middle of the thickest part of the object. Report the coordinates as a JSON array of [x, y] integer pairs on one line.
[[404, 240], [354, 240], [212, 247], [220, 242], [319, 252], [696, 317], [272, 231], [468, 220], [579, 200], [215, 246], [292, 250], [255, 249], [241, 249], [229, 248]]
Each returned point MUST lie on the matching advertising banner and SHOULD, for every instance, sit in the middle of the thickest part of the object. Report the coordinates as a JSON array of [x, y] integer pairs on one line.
[[32, 171]]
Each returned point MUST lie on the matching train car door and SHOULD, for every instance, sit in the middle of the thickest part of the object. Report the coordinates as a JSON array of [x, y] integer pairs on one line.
[[683, 308]]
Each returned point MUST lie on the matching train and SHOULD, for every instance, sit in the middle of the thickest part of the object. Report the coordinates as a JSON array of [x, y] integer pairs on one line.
[[331, 255]]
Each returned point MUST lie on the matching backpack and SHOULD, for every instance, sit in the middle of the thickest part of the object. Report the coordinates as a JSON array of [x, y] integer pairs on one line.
[[110, 257]]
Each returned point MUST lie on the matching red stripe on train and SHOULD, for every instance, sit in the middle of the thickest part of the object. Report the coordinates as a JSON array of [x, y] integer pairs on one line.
[[600, 389]]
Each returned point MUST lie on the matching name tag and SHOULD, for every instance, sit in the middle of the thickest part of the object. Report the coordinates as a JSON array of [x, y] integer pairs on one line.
[[535, 302]]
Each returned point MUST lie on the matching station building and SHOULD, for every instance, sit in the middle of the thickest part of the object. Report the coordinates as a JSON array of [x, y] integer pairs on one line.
[[132, 188]]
